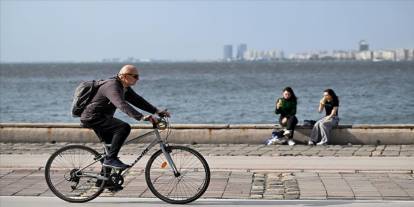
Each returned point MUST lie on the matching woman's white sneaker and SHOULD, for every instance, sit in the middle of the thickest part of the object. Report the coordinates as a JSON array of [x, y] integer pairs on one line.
[[321, 143], [291, 142]]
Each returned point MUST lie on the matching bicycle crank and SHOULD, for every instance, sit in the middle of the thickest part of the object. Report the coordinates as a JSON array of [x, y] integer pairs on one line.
[[116, 179]]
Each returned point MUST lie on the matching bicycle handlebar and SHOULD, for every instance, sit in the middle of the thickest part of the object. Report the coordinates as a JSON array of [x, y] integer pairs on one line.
[[160, 122]]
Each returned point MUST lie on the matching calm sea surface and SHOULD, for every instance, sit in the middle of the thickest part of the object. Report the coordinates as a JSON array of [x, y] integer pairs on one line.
[[370, 93]]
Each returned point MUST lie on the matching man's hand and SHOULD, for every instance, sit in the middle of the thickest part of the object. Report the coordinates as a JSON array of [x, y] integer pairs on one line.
[[151, 118], [164, 113]]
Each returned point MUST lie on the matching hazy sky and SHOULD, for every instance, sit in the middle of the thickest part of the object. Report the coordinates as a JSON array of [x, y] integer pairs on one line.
[[88, 30]]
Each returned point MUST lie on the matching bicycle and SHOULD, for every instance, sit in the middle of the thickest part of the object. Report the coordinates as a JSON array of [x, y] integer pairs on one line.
[[174, 174]]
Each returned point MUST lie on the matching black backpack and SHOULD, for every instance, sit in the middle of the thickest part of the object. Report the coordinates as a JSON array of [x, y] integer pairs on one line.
[[84, 93]]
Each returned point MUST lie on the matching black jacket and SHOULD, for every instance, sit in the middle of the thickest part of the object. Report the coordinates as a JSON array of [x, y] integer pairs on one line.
[[110, 96]]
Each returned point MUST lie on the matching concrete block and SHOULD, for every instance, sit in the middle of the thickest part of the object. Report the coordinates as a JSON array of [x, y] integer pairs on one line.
[[215, 134]]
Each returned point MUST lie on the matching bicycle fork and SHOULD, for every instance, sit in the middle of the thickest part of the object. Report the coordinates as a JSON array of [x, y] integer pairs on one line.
[[168, 156], [169, 160]]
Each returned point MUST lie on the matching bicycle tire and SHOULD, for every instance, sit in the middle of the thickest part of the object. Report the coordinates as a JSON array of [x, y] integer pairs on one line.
[[55, 187], [198, 170]]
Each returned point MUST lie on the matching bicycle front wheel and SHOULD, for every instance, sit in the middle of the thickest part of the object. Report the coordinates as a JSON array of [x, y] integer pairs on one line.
[[189, 185], [72, 173]]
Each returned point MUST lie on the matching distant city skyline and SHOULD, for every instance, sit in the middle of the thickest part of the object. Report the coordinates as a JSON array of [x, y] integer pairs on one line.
[[72, 30], [362, 53]]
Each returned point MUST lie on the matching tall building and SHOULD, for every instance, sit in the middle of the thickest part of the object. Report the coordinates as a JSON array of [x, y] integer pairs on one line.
[[228, 52], [402, 54], [363, 45], [241, 49]]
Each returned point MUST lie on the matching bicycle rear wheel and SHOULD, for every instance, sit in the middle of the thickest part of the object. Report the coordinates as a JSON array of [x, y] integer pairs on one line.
[[189, 185], [72, 173]]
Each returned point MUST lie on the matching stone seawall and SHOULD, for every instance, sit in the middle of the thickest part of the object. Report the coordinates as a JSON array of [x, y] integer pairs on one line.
[[210, 133]]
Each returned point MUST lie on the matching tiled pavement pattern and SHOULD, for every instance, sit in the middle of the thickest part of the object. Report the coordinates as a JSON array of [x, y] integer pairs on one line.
[[226, 184], [236, 149], [244, 184]]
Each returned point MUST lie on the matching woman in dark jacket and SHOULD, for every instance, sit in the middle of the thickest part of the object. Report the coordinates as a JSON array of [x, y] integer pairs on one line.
[[286, 107]]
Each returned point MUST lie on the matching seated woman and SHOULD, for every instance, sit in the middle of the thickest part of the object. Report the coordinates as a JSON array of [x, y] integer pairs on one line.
[[323, 127], [286, 107]]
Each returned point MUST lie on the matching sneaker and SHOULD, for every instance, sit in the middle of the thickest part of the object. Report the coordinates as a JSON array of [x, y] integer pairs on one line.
[[311, 142], [286, 133], [321, 143], [291, 142], [114, 163]]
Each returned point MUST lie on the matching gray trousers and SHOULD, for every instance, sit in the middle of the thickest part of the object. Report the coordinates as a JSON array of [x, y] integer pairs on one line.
[[322, 129]]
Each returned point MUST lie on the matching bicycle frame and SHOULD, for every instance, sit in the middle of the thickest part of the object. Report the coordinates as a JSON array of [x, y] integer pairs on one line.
[[157, 140]]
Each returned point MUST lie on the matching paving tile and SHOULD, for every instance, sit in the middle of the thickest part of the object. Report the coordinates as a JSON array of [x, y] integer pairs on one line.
[[336, 186], [391, 153], [327, 153]]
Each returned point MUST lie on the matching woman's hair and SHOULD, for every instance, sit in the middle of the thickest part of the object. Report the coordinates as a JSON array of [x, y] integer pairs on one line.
[[292, 94], [333, 94]]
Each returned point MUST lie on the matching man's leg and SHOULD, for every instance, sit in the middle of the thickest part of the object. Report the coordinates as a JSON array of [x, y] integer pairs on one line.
[[115, 132], [121, 131]]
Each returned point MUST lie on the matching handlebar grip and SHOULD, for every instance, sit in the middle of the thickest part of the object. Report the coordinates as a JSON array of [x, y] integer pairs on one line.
[[162, 114]]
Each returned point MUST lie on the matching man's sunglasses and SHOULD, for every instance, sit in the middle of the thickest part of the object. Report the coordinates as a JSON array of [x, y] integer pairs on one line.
[[132, 75]]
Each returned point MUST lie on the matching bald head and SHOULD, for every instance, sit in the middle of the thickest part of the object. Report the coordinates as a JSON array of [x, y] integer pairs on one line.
[[128, 69], [128, 75]]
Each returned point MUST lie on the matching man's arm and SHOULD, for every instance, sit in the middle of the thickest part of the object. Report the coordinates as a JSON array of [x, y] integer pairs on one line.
[[115, 95], [139, 102]]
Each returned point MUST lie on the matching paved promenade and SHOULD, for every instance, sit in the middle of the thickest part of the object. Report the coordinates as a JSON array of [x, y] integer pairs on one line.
[[248, 171], [237, 149]]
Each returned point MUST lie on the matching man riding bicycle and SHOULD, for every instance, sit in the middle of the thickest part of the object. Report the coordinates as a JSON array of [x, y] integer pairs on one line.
[[99, 113]]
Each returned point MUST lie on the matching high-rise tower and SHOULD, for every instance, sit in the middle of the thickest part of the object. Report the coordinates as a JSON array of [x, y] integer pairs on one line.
[[228, 52], [241, 49], [363, 45]]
